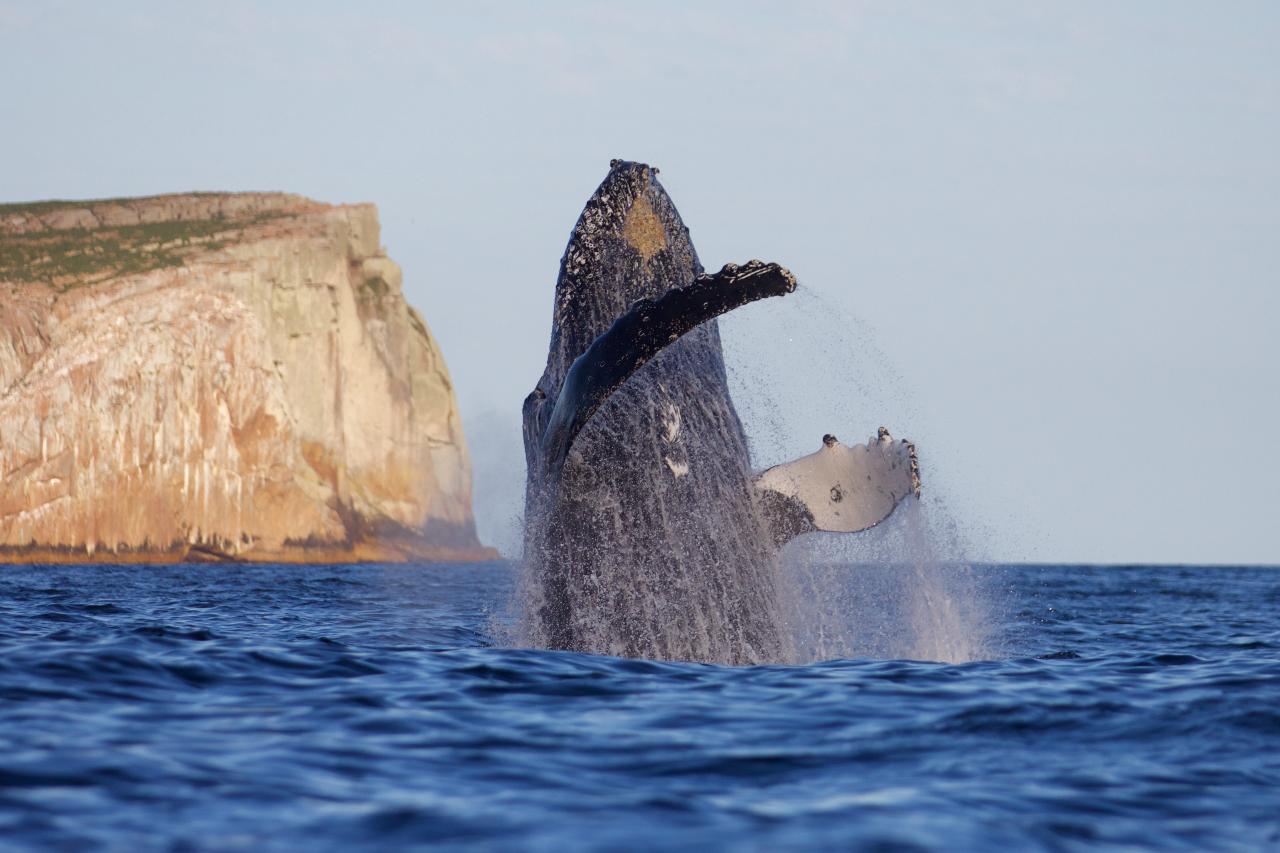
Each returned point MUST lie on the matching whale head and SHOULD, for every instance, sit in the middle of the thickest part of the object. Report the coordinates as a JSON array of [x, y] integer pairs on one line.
[[629, 243]]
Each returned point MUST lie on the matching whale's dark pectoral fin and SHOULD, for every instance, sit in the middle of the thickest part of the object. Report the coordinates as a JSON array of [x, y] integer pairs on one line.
[[640, 334], [839, 489]]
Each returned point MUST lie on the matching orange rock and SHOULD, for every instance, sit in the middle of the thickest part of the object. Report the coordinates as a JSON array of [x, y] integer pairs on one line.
[[220, 375]]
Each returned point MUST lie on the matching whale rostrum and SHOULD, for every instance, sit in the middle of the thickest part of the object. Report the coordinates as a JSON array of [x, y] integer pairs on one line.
[[647, 533]]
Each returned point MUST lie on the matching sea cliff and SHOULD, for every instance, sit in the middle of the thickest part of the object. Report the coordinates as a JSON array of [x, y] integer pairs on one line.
[[220, 376]]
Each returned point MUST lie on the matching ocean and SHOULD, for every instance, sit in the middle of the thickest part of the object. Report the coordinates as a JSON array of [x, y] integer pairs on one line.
[[259, 707]]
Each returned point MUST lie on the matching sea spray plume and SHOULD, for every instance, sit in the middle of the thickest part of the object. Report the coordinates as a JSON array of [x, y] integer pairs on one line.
[[902, 591], [647, 533], [908, 587]]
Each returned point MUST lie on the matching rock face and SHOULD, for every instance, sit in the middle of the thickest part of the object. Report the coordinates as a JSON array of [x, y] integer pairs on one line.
[[223, 376]]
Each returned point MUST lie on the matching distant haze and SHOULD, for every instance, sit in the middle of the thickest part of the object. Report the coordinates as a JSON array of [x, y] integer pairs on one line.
[[1041, 239]]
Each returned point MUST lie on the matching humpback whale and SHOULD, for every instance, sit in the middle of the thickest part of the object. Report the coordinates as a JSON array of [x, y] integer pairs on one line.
[[647, 533]]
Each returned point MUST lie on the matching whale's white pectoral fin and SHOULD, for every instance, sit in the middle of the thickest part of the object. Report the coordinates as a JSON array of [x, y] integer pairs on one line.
[[839, 489]]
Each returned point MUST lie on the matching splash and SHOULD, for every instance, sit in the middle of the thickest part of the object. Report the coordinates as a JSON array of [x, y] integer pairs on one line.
[[885, 594], [949, 618], [902, 590]]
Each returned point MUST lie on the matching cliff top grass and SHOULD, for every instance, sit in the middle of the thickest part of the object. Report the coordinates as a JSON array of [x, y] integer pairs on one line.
[[63, 259], [37, 208], [72, 257]]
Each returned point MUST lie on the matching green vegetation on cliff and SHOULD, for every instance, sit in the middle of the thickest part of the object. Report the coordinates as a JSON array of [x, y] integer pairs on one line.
[[37, 208], [70, 257]]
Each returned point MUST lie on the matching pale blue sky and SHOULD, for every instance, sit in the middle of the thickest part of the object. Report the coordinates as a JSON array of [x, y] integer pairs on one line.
[[1042, 239]]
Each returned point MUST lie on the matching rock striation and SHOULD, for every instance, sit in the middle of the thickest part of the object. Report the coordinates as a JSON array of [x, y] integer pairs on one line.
[[220, 376]]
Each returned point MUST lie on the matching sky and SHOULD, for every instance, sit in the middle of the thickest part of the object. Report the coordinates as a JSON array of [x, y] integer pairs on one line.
[[1041, 239]]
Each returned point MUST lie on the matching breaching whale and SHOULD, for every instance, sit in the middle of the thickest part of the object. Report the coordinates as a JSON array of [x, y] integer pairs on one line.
[[647, 533]]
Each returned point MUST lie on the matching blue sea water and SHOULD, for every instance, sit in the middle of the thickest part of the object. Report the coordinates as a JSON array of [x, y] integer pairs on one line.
[[366, 707]]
